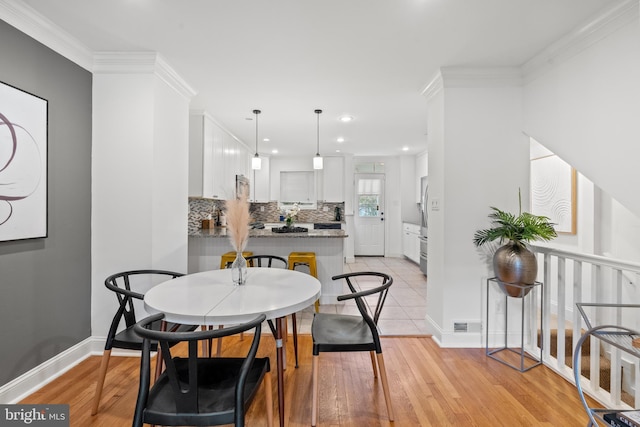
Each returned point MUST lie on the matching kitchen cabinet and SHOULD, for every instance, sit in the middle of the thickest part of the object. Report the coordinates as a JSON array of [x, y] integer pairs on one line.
[[200, 156], [411, 241], [215, 158], [422, 169], [333, 180], [260, 182]]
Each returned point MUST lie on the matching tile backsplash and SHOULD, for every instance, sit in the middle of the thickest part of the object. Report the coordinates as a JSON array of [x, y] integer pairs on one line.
[[200, 208]]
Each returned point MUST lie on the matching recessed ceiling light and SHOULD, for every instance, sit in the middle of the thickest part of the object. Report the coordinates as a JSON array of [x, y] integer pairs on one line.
[[274, 151], [266, 140], [340, 139], [405, 148], [337, 151], [346, 119]]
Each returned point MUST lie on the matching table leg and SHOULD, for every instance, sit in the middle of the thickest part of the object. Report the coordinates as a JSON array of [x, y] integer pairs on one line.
[[280, 363]]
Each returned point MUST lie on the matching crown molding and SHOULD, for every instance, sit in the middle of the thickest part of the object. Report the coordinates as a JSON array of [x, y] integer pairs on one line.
[[583, 36], [141, 63], [43, 30], [433, 87], [470, 77], [481, 76], [206, 114]]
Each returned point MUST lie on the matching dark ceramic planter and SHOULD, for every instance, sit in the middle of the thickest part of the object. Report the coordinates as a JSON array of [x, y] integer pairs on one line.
[[515, 265]]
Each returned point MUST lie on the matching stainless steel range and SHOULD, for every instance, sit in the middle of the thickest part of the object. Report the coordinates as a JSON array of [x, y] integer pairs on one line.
[[424, 216]]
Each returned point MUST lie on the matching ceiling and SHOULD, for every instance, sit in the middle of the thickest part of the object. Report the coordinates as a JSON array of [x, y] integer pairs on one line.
[[369, 59]]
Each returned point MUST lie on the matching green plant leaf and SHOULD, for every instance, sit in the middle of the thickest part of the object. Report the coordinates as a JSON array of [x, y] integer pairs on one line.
[[519, 229]]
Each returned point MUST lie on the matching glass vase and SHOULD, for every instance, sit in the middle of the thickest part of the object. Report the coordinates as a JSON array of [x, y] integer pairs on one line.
[[239, 269]]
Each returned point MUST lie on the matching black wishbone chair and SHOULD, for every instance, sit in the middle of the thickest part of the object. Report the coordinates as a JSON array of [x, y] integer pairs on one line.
[[200, 391], [345, 333], [126, 286]]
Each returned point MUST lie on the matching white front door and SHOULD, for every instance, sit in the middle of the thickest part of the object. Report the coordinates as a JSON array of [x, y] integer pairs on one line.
[[369, 215]]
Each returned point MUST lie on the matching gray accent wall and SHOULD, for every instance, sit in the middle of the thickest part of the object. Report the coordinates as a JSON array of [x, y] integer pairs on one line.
[[45, 284]]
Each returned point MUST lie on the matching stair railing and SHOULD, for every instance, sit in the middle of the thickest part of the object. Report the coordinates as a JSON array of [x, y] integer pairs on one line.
[[569, 278]]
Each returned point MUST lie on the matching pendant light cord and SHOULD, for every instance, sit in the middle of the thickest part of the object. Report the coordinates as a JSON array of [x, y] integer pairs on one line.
[[318, 112], [256, 112]]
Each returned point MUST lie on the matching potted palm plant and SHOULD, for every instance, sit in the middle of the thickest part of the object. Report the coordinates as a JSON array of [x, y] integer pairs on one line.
[[513, 262]]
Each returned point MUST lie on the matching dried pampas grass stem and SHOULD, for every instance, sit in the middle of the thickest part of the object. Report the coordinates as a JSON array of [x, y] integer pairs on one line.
[[238, 220]]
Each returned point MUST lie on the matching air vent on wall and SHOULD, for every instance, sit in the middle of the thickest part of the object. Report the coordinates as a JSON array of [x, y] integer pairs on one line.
[[467, 327]]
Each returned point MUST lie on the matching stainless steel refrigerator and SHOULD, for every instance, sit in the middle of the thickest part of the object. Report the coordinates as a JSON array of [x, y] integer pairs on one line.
[[424, 216]]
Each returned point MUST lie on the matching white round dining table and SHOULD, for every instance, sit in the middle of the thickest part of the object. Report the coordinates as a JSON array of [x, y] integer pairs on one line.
[[211, 298]]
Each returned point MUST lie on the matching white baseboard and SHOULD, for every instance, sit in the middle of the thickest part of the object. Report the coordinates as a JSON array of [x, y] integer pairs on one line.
[[450, 339], [31, 381]]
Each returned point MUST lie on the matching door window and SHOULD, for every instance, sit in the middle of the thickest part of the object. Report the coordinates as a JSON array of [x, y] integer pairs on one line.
[[369, 197]]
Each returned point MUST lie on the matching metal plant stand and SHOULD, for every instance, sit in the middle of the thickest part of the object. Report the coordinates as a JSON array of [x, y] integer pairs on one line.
[[523, 356]]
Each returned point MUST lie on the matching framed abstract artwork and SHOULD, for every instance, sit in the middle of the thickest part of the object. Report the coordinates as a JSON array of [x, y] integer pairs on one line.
[[23, 164], [553, 192]]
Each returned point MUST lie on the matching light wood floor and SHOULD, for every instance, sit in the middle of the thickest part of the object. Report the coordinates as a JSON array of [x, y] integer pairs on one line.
[[430, 386]]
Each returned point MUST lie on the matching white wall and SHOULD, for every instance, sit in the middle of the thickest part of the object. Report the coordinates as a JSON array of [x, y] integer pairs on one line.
[[621, 231], [586, 108], [478, 157], [581, 99], [139, 175], [170, 179]]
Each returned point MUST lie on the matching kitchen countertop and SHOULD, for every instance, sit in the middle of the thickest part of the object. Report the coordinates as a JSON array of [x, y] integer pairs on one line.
[[222, 232]]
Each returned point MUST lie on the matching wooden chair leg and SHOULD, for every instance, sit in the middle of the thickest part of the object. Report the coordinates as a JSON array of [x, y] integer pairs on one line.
[[104, 364], [206, 345], [373, 363], [314, 397], [219, 351], [385, 385], [268, 398], [294, 322], [159, 365]]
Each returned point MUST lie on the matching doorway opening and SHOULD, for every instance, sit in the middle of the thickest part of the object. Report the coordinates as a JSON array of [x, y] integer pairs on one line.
[[369, 215]]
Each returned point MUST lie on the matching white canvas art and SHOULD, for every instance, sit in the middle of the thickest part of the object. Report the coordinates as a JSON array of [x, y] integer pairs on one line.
[[23, 164], [553, 192]]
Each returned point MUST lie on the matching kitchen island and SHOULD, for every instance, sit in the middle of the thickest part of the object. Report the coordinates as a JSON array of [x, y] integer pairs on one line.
[[207, 245]]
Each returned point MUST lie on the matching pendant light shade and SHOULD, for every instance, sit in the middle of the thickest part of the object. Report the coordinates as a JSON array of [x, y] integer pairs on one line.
[[317, 160], [256, 161]]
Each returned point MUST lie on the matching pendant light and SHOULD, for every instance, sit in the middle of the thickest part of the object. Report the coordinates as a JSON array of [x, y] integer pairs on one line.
[[256, 161], [317, 160]]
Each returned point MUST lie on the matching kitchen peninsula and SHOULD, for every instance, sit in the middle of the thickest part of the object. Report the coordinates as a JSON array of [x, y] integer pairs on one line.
[[207, 245]]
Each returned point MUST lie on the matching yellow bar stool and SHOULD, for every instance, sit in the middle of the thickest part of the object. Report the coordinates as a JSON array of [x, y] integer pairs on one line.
[[308, 259], [230, 256]]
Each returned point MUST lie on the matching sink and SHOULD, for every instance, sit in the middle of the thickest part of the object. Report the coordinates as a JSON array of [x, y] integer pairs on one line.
[[327, 226]]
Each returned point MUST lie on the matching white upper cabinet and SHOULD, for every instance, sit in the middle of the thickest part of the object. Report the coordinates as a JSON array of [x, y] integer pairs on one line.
[[215, 158], [260, 182], [197, 153], [219, 163], [422, 165], [333, 181]]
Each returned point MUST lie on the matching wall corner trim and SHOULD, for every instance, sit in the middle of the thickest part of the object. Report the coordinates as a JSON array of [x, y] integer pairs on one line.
[[433, 87], [141, 63]]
